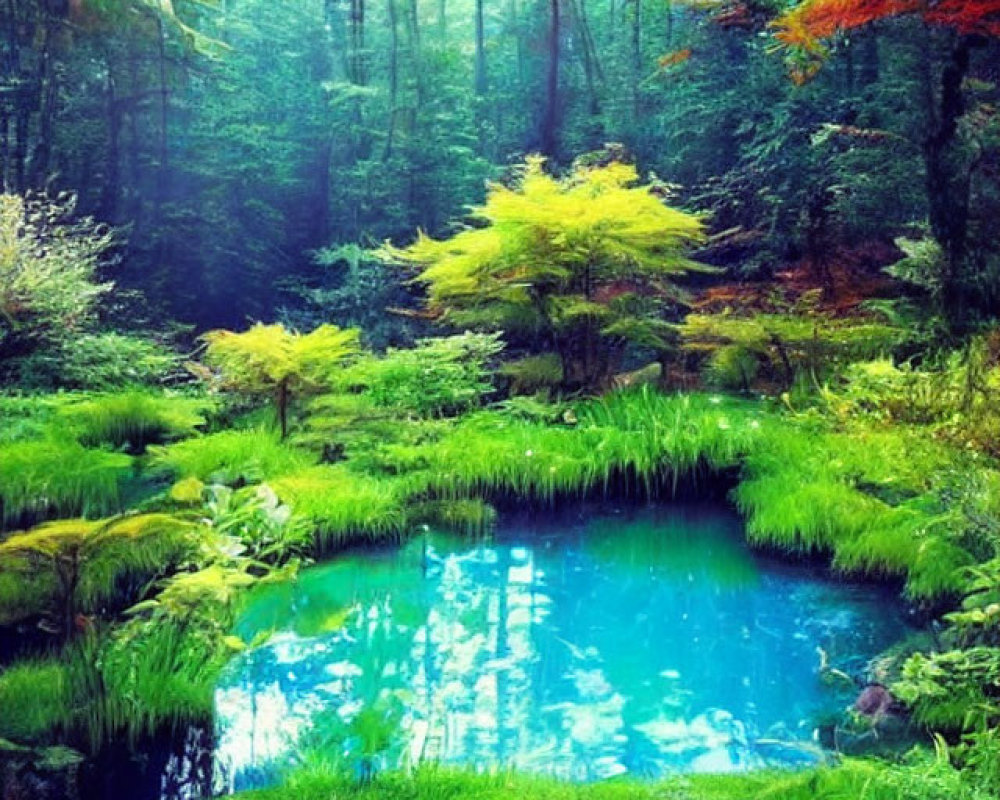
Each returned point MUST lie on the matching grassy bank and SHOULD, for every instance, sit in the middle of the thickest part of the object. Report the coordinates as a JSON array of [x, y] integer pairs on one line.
[[923, 779]]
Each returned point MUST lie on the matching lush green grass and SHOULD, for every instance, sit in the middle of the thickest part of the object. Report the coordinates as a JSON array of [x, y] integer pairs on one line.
[[34, 696], [59, 476], [866, 496], [134, 419], [641, 441], [126, 685], [345, 505], [231, 457], [923, 779]]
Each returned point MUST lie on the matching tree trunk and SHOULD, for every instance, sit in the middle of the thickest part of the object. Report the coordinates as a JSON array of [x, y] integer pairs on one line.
[[393, 76], [550, 122], [281, 402], [947, 180], [480, 51]]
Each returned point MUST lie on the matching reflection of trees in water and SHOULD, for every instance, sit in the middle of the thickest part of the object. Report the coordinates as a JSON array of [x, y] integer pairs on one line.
[[638, 644]]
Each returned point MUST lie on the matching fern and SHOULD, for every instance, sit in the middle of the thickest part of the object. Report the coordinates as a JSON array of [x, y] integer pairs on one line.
[[87, 559], [270, 361]]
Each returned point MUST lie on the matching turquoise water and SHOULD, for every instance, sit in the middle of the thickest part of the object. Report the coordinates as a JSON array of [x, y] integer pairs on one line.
[[583, 644]]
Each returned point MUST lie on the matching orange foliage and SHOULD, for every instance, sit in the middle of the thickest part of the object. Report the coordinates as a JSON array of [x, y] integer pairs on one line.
[[855, 275], [734, 16], [814, 20], [673, 58]]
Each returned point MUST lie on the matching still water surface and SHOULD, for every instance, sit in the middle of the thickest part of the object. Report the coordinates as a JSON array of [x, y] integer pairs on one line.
[[585, 643]]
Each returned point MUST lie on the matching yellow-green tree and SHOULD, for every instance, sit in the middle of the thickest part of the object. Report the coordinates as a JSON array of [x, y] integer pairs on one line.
[[581, 266], [75, 564], [269, 360]]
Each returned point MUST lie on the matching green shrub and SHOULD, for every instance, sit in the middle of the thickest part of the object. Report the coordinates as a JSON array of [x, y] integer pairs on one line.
[[97, 361], [436, 377], [954, 690]]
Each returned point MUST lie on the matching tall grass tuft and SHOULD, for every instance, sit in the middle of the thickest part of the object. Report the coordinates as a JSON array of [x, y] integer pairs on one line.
[[134, 419], [231, 457], [344, 505], [59, 476], [866, 497]]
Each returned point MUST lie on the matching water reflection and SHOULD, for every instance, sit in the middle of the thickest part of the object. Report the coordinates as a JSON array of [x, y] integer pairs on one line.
[[581, 645]]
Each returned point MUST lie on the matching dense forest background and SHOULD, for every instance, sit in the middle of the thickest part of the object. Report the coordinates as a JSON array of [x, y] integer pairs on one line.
[[249, 151]]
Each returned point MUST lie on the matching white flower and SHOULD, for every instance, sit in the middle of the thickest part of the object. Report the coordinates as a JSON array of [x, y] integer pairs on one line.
[[528, 453]]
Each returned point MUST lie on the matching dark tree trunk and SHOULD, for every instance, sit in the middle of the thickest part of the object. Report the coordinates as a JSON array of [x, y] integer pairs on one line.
[[948, 179]]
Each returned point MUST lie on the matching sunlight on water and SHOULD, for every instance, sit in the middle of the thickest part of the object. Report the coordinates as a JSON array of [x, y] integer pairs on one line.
[[585, 645]]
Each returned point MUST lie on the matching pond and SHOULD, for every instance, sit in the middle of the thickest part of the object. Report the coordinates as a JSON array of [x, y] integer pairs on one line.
[[587, 643]]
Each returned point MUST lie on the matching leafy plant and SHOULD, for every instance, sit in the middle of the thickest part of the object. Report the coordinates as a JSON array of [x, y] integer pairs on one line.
[[268, 360], [436, 377], [954, 690], [88, 558], [104, 361], [48, 269], [582, 266]]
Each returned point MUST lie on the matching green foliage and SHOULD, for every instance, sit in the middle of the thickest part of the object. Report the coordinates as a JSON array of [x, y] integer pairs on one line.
[[30, 416], [104, 361], [266, 529], [954, 690], [33, 700], [268, 360], [135, 419], [585, 262], [924, 265], [353, 287], [343, 505], [48, 269], [436, 377], [786, 345], [532, 374], [60, 476], [87, 560], [919, 777], [732, 367], [644, 439], [866, 496], [230, 457], [959, 397], [978, 619]]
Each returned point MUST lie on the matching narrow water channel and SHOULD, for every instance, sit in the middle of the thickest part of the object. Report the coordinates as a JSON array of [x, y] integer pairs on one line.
[[587, 643]]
